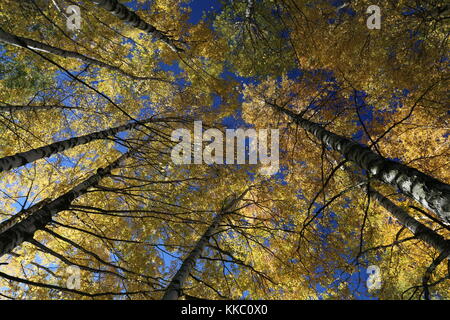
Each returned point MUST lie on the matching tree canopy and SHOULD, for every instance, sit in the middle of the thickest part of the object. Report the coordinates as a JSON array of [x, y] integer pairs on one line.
[[92, 205]]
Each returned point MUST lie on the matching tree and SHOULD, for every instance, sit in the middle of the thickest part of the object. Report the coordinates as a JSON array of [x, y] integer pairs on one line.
[[23, 158], [9, 38], [123, 13], [174, 289], [25, 228]]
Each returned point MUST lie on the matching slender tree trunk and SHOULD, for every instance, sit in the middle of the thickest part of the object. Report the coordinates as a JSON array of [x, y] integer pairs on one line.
[[175, 286], [421, 231], [128, 16], [23, 158], [8, 223], [249, 9], [12, 108], [428, 191], [25, 229], [36, 45]]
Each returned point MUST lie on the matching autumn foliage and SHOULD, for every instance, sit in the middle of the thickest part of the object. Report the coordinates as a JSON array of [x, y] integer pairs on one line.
[[311, 231]]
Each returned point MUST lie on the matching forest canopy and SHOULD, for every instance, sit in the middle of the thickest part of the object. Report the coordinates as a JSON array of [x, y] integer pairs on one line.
[[136, 137]]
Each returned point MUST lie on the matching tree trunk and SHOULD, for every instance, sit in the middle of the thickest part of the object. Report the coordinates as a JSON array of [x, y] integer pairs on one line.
[[428, 191], [128, 16], [421, 231], [36, 45], [175, 286], [249, 9], [25, 229], [23, 158]]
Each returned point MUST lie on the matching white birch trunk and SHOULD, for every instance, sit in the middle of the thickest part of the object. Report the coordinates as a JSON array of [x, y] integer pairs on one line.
[[128, 16], [23, 158], [14, 40], [26, 228], [175, 286], [426, 190]]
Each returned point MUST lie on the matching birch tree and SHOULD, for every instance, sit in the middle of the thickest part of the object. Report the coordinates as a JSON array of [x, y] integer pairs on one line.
[[428, 191], [24, 230], [128, 16], [174, 289], [23, 158], [14, 40]]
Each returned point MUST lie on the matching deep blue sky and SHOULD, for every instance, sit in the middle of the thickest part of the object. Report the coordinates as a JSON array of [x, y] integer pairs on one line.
[[199, 7]]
